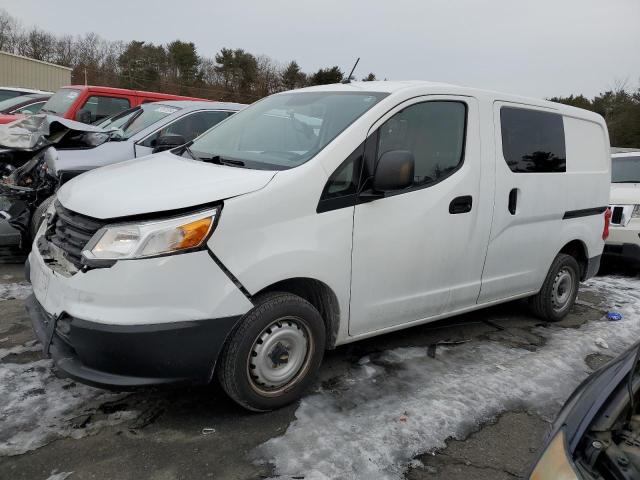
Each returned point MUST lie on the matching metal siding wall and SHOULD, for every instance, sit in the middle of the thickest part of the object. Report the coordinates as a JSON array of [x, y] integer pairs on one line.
[[22, 72]]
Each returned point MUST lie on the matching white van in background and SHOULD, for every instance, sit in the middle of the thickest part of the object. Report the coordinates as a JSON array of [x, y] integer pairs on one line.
[[624, 238], [311, 219]]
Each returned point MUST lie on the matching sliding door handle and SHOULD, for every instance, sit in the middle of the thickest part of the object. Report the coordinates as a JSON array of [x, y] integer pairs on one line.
[[513, 201]]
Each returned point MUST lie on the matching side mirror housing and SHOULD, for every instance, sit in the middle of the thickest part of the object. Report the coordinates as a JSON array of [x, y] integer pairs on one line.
[[167, 142], [395, 171], [83, 115]]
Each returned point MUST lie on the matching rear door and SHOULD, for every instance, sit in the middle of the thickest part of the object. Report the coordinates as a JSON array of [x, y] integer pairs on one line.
[[530, 199], [419, 252]]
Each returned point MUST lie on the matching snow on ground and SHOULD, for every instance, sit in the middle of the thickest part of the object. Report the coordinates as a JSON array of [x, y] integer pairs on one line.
[[11, 291], [402, 403], [36, 407]]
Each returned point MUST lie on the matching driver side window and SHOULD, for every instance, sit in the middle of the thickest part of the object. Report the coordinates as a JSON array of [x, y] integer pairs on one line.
[[433, 131]]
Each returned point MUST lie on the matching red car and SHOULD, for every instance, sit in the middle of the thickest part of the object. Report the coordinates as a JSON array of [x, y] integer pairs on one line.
[[90, 104]]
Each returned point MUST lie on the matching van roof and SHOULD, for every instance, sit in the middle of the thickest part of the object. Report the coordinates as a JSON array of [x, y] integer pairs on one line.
[[420, 86]]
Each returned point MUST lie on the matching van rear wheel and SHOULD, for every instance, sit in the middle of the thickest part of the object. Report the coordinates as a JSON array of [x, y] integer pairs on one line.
[[559, 290], [273, 355]]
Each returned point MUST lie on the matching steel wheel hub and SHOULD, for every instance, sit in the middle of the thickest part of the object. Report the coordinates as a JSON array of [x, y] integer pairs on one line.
[[279, 354], [562, 289]]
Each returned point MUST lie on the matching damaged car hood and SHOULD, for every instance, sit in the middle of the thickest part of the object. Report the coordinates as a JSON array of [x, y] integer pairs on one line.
[[36, 132], [156, 183]]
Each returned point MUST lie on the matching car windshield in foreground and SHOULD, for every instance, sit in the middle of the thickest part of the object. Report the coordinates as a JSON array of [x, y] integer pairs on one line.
[[625, 169], [284, 130], [60, 102], [137, 119]]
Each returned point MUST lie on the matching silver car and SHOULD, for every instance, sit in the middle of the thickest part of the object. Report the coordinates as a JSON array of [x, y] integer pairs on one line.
[[143, 130]]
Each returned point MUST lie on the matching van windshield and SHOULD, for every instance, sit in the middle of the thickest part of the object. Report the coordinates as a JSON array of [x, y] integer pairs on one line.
[[60, 102], [137, 119], [625, 169], [284, 130]]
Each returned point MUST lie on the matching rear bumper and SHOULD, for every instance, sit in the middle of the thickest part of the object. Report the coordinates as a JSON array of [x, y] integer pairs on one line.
[[123, 357], [624, 251]]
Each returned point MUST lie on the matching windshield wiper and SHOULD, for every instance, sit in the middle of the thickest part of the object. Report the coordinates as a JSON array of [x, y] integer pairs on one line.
[[191, 154], [218, 160], [628, 181]]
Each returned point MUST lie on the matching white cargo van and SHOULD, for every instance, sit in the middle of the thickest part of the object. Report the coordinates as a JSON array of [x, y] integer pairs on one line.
[[624, 241], [315, 218]]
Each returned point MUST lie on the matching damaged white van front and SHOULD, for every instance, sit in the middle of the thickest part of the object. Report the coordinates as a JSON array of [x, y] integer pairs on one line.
[[315, 218]]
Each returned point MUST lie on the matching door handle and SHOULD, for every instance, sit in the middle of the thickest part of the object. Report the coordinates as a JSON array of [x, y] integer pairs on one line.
[[513, 201], [461, 205]]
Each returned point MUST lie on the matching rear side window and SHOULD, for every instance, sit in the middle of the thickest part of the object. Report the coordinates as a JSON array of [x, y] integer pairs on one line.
[[533, 141], [190, 126], [103, 107], [434, 132]]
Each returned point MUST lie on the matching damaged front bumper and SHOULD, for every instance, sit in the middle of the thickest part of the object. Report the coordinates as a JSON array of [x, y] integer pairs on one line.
[[121, 357], [136, 323]]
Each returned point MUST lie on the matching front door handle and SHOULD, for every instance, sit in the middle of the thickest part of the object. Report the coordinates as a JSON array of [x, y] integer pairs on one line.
[[461, 205]]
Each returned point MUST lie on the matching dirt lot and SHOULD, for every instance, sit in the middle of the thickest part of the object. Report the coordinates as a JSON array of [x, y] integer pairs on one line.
[[470, 397]]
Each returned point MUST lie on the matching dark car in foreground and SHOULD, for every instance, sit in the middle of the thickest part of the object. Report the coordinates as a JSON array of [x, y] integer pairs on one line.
[[597, 433]]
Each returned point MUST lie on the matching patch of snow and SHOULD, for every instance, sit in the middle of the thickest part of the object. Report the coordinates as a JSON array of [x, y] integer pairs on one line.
[[36, 407], [403, 403], [59, 476], [32, 346], [15, 291]]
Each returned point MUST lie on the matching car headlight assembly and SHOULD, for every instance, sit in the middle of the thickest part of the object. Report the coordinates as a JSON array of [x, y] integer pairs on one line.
[[554, 464], [129, 241]]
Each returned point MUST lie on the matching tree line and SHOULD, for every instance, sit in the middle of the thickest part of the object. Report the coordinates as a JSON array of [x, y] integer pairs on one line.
[[619, 107], [177, 67], [233, 74]]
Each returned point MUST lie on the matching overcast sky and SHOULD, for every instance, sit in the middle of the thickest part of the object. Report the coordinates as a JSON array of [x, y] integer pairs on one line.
[[539, 48]]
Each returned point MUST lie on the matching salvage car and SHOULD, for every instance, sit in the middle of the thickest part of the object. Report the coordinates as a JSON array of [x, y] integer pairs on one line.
[[15, 108], [624, 239], [151, 127], [12, 92], [312, 219], [91, 104], [597, 433]]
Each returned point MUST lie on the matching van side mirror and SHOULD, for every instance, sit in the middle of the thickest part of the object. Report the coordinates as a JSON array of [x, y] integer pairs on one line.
[[168, 141], [84, 116], [395, 171]]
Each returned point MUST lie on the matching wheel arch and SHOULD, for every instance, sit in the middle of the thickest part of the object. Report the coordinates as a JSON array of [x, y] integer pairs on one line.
[[578, 250], [318, 294]]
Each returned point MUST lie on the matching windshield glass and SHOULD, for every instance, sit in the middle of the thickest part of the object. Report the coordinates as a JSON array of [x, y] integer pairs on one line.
[[625, 169], [8, 104], [284, 130], [60, 102], [137, 119]]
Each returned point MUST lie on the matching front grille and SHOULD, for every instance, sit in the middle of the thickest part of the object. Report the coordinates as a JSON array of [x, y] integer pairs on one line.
[[71, 232], [617, 215]]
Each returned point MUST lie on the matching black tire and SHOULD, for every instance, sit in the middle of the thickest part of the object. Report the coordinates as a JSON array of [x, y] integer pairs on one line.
[[38, 216], [546, 304], [279, 313]]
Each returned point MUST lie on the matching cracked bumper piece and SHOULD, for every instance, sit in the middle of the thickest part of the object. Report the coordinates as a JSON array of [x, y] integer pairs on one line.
[[121, 357]]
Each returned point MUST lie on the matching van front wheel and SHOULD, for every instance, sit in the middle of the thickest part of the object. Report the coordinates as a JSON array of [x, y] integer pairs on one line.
[[559, 290], [273, 355]]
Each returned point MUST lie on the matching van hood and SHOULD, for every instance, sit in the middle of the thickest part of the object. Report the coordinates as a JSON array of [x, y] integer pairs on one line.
[[625, 194], [156, 183]]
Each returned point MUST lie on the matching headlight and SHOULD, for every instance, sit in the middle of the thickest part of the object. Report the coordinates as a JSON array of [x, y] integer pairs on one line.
[[636, 212], [554, 463], [139, 240]]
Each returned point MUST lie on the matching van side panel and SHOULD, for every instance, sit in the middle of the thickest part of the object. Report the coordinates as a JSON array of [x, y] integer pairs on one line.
[[588, 180]]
